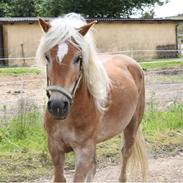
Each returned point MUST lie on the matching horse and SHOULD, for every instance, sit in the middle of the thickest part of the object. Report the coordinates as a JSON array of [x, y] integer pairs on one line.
[[90, 99]]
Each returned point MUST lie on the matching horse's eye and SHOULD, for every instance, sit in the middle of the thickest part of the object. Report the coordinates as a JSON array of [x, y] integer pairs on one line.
[[47, 58], [77, 60]]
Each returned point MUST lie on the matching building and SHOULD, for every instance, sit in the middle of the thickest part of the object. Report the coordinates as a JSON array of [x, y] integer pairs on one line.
[[139, 38]]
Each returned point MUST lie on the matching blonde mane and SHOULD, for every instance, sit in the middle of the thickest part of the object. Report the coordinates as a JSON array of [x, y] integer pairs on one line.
[[64, 28]]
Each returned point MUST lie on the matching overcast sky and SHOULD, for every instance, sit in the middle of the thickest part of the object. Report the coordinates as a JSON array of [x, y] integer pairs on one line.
[[174, 7]]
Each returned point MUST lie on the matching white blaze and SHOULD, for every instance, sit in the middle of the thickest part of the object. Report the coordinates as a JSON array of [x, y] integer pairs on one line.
[[62, 51]]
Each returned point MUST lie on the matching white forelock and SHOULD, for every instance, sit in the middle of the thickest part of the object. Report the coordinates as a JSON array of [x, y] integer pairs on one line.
[[64, 28]]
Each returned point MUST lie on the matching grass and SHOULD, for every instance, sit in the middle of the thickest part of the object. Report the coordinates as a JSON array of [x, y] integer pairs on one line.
[[162, 64], [22, 132], [23, 142], [23, 166], [19, 71], [23, 145]]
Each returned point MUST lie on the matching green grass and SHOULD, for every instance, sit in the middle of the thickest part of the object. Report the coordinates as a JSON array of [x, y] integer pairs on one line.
[[162, 64], [16, 71], [23, 145], [23, 166], [162, 121]]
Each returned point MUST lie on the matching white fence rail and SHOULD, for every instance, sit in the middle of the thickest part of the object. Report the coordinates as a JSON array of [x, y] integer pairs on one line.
[[135, 53]]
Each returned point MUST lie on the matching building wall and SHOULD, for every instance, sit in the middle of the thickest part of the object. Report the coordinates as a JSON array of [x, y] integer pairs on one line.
[[114, 37], [110, 37], [17, 36]]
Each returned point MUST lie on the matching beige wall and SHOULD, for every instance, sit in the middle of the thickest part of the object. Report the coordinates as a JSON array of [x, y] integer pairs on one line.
[[114, 37], [17, 34], [110, 37]]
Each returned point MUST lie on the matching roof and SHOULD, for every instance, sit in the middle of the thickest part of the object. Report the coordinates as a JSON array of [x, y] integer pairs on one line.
[[12, 20], [19, 19]]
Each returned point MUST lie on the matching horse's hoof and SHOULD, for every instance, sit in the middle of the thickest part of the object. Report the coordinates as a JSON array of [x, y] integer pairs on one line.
[[122, 179], [62, 180]]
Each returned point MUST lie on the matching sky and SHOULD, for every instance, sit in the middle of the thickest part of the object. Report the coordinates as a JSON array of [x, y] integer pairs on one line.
[[173, 8]]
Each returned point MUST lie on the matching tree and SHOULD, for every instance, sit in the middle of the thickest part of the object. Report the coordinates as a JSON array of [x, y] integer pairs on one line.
[[21, 8], [4, 7], [89, 8], [95, 8], [148, 14], [49, 8]]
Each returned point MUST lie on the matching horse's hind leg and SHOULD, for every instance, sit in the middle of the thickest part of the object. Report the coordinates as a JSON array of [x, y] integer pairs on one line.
[[133, 140], [129, 138]]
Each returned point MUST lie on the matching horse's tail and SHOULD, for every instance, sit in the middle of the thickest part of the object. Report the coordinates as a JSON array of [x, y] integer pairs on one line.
[[139, 159]]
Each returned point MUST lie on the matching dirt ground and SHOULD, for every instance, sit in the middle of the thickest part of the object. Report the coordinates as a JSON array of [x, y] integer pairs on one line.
[[164, 169], [169, 169]]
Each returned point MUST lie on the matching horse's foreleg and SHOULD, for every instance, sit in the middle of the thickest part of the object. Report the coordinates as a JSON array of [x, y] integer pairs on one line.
[[58, 161], [92, 171], [85, 162]]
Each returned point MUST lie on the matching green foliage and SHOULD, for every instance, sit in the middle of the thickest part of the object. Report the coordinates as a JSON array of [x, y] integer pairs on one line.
[[94, 8], [50, 8], [3, 8], [16, 71], [89, 8], [17, 8]]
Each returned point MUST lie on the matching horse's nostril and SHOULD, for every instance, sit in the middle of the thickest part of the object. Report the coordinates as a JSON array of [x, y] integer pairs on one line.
[[49, 106], [65, 106]]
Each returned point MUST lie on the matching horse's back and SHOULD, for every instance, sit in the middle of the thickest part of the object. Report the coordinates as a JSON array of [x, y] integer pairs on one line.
[[126, 84]]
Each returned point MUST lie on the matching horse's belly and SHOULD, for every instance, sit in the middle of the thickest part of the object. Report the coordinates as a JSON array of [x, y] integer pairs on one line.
[[119, 113], [113, 125]]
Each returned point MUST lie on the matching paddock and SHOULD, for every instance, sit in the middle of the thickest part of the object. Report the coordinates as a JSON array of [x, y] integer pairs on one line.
[[24, 97]]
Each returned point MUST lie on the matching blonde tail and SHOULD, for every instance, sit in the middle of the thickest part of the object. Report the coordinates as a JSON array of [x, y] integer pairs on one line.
[[139, 159]]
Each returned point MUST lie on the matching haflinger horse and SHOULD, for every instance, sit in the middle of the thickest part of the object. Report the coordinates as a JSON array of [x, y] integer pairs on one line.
[[89, 100]]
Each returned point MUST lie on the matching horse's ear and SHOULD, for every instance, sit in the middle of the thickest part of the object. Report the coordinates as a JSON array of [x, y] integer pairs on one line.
[[84, 29], [44, 25]]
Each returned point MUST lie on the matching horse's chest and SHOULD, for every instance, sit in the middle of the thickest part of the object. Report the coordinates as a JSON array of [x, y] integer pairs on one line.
[[65, 136]]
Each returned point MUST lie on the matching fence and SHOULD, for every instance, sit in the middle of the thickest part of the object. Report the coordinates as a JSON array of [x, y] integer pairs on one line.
[[140, 55]]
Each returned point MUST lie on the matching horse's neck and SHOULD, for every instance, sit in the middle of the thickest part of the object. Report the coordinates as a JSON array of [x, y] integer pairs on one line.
[[82, 94], [83, 101]]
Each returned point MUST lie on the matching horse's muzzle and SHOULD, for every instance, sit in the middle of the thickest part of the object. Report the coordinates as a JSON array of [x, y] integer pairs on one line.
[[58, 108]]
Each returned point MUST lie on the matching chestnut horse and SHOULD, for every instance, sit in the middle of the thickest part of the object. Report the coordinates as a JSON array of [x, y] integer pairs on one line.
[[90, 100]]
